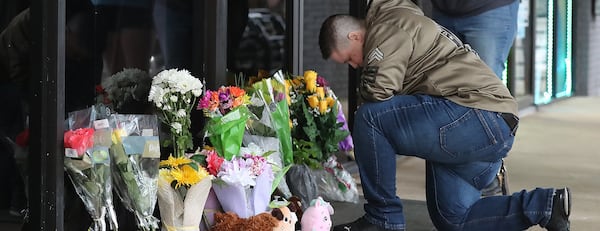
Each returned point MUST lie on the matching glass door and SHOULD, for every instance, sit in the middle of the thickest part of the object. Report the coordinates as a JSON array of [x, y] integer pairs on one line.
[[542, 71], [562, 48]]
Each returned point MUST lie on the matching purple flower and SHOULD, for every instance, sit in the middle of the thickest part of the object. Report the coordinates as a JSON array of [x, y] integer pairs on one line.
[[322, 82]]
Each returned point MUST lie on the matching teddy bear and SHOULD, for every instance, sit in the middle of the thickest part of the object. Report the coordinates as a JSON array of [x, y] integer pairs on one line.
[[317, 217], [230, 221]]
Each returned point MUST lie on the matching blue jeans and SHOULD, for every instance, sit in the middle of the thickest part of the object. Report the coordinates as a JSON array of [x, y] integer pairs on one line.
[[490, 33], [463, 148]]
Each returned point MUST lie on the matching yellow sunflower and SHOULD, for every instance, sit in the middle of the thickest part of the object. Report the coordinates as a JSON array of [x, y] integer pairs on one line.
[[174, 162], [185, 176]]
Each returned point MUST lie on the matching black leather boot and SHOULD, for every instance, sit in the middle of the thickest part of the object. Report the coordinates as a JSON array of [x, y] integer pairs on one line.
[[561, 209]]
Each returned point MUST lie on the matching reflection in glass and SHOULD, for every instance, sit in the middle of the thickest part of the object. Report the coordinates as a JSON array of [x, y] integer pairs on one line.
[[262, 43], [543, 53]]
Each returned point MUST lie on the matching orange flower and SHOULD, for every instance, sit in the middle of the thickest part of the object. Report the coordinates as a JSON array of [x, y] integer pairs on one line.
[[236, 91], [237, 102]]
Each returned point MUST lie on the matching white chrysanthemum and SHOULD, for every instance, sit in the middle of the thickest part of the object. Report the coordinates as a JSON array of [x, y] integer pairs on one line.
[[181, 113], [156, 95], [176, 126], [174, 98], [180, 81]]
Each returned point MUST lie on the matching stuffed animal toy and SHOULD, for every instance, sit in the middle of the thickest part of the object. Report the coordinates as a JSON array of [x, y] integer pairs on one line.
[[232, 222], [287, 218], [317, 217]]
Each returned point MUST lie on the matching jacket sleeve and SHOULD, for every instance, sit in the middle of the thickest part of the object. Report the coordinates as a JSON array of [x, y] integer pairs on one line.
[[387, 51]]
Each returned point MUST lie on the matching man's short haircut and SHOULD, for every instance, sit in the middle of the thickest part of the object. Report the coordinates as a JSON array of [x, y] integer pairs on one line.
[[334, 30]]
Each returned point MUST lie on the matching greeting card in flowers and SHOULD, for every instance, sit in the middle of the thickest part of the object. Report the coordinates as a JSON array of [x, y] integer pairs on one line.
[[87, 163]]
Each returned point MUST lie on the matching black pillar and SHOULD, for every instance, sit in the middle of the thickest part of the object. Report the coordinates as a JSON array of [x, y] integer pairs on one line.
[[215, 46], [294, 18], [46, 184]]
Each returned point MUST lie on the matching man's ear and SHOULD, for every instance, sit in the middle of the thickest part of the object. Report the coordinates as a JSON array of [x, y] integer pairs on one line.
[[355, 36]]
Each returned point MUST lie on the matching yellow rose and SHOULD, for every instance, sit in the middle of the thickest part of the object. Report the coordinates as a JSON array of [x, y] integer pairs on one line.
[[310, 79], [310, 74], [313, 101], [321, 92], [297, 81], [330, 101], [323, 106]]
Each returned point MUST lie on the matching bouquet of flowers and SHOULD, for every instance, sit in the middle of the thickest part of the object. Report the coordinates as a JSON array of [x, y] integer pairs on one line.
[[135, 154], [244, 183], [226, 108], [183, 187], [318, 132], [183, 184], [126, 89], [269, 127], [87, 163], [174, 93]]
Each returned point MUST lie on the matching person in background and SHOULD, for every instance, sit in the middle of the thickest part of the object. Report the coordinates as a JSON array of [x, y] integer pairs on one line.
[[428, 95], [489, 27]]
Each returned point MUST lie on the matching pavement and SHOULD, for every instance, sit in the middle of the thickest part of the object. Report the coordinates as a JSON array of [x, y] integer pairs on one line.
[[556, 145]]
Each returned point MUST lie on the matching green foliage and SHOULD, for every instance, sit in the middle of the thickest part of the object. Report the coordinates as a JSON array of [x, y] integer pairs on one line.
[[316, 136]]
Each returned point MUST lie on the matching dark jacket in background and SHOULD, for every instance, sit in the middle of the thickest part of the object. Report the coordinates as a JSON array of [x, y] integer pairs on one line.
[[465, 8]]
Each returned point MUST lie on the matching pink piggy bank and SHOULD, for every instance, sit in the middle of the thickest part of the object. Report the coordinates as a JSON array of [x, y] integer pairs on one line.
[[317, 217]]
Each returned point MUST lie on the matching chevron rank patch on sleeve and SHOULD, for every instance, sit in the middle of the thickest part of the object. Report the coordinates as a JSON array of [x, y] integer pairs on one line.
[[374, 55]]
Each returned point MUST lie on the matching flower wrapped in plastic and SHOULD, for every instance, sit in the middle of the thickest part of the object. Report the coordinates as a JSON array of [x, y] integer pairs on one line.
[[183, 188], [317, 134], [183, 184], [135, 154], [269, 126], [226, 108], [243, 184], [174, 94], [87, 163]]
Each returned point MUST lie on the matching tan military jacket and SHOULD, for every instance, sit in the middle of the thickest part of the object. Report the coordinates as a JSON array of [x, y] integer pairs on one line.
[[407, 53]]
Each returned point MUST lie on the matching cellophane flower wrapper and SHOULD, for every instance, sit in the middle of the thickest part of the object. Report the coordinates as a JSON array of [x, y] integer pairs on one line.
[[135, 154], [227, 132], [335, 183], [211, 206], [182, 213], [241, 192], [269, 127], [316, 134], [87, 163]]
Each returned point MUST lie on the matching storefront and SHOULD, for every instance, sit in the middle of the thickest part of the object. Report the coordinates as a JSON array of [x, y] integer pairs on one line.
[[540, 66], [539, 70]]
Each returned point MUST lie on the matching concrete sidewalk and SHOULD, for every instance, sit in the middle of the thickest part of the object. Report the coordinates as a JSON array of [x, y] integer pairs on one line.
[[559, 145]]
